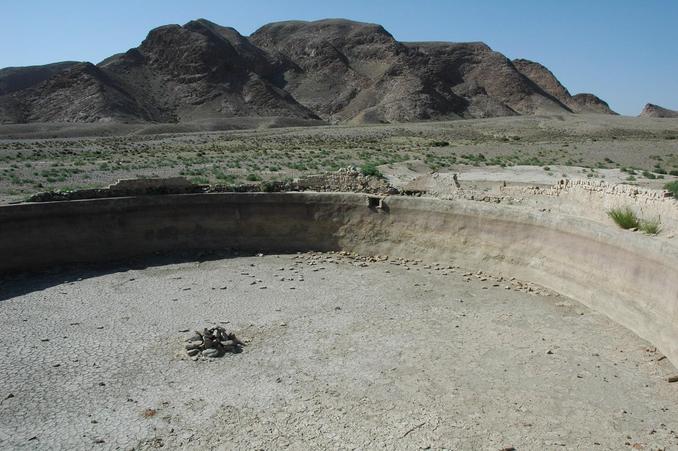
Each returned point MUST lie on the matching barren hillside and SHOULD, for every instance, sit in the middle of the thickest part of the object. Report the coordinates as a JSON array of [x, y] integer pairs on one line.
[[333, 70]]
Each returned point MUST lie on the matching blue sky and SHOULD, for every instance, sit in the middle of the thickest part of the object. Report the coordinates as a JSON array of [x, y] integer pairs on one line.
[[625, 51]]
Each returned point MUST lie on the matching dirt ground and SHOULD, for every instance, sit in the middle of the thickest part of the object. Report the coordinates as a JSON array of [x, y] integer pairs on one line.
[[638, 151], [342, 353]]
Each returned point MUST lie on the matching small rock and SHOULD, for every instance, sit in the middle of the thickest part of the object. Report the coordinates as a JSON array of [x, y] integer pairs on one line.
[[192, 352], [208, 342], [210, 353]]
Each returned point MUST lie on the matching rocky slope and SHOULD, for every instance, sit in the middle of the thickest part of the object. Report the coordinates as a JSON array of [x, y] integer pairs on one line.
[[579, 103], [652, 110], [335, 70]]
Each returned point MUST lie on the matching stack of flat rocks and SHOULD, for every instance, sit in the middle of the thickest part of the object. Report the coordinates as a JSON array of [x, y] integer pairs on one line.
[[214, 342]]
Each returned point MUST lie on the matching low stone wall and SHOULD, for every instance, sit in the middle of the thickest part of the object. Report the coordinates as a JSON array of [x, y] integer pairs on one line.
[[632, 278], [593, 199]]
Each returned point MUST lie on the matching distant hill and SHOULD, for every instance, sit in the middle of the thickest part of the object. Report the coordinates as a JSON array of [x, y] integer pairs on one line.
[[333, 70], [651, 110]]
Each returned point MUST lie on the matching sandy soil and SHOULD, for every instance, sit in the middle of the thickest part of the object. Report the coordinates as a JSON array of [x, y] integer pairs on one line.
[[342, 354]]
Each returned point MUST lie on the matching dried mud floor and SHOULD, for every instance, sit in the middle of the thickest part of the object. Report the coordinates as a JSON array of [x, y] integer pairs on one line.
[[342, 354]]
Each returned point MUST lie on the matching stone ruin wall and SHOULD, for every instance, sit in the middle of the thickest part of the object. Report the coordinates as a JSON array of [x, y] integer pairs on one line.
[[593, 199]]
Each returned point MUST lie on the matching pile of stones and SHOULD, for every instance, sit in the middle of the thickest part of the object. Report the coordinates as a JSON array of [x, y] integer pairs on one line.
[[214, 342]]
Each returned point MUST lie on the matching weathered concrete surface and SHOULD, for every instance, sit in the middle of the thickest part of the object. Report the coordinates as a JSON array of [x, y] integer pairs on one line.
[[630, 277]]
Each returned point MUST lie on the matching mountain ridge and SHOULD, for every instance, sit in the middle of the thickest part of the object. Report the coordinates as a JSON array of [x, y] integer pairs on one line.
[[334, 70]]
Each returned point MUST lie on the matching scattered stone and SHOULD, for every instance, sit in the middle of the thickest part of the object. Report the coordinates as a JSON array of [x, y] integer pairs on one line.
[[673, 378]]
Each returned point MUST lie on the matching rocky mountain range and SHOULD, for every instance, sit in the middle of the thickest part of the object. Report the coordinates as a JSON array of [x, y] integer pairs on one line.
[[331, 70]]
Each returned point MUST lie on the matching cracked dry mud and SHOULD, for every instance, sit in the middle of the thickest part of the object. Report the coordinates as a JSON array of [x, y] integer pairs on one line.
[[343, 353]]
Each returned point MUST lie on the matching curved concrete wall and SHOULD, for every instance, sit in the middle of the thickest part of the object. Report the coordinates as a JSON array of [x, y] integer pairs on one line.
[[630, 277]]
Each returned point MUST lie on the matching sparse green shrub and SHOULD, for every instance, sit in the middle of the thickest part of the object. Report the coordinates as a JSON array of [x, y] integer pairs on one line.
[[253, 178], [651, 226], [672, 187], [649, 175], [624, 217], [370, 169], [200, 180]]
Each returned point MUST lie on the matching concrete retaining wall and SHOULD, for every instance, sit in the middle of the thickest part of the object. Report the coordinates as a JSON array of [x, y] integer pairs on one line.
[[630, 277]]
